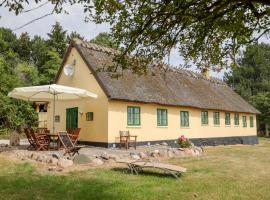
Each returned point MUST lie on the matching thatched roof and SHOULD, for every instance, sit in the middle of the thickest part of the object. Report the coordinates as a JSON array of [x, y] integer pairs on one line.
[[175, 87]]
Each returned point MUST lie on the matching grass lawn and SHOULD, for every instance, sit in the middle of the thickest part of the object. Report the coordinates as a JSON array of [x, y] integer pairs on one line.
[[224, 172]]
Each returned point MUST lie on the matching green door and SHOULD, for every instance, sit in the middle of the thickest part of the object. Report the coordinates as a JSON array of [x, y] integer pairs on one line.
[[72, 117]]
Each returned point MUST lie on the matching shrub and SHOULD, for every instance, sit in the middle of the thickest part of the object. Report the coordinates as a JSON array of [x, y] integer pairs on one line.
[[184, 142]]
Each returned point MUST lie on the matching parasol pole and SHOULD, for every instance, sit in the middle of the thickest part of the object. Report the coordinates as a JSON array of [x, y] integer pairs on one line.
[[53, 113]]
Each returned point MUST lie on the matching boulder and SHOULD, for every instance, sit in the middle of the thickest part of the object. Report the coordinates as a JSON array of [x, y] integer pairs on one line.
[[170, 153], [163, 153], [81, 159], [52, 161], [34, 156], [14, 139], [164, 143], [64, 163], [143, 155], [97, 161], [189, 152], [105, 156], [113, 157], [135, 156]]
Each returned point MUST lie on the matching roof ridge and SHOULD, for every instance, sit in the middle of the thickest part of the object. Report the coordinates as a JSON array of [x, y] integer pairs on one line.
[[192, 74], [95, 47]]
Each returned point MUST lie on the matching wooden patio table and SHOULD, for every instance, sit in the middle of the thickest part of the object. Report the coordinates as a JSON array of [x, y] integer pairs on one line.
[[54, 138]]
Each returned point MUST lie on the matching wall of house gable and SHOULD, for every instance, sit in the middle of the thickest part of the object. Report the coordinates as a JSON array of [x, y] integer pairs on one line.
[[97, 129]]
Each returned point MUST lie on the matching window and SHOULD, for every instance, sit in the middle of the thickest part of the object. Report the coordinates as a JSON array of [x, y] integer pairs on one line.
[[184, 117], [227, 119], [204, 117], [244, 119], [89, 116], [216, 118], [162, 117], [133, 116], [236, 119], [57, 118], [251, 119]]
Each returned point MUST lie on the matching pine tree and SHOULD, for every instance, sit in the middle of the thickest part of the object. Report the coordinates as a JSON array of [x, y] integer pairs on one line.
[[251, 79], [58, 39]]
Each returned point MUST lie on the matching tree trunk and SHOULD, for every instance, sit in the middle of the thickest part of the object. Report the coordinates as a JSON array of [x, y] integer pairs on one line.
[[266, 130]]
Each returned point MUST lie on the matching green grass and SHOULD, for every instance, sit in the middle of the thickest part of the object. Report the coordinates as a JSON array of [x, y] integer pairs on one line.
[[224, 172]]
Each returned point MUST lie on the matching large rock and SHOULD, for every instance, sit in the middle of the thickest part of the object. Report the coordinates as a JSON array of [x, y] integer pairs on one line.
[[81, 159], [163, 153], [64, 163], [170, 153], [135, 156], [14, 139], [143, 155], [189, 152], [113, 157], [97, 161], [52, 161], [105, 156]]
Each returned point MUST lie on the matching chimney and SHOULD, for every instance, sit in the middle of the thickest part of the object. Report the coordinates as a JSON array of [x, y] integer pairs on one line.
[[206, 72]]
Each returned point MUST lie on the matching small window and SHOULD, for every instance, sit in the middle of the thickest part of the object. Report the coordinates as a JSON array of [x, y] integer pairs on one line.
[[244, 119], [89, 116], [227, 119], [184, 117], [236, 119], [133, 116], [57, 118], [216, 118], [251, 119], [162, 117], [204, 117]]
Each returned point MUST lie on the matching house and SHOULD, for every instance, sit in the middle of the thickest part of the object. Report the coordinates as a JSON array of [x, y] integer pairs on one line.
[[41, 109], [157, 107]]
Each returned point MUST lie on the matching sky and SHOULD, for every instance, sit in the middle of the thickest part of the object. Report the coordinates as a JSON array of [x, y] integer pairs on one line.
[[74, 21]]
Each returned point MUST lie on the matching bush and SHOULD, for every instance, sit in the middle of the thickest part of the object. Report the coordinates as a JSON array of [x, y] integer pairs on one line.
[[184, 142], [15, 114]]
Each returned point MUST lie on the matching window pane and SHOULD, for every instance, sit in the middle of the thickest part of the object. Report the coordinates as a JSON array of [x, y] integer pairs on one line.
[[216, 118], [244, 119], [184, 115], [162, 117], [204, 117], [227, 119], [236, 119], [251, 121], [133, 115]]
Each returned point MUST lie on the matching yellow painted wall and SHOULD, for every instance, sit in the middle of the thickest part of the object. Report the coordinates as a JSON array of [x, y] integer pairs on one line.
[[90, 130], [149, 131]]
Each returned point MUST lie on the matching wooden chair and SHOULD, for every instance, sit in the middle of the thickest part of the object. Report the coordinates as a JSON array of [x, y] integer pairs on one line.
[[68, 145], [42, 141], [30, 139], [74, 133], [127, 140], [124, 139]]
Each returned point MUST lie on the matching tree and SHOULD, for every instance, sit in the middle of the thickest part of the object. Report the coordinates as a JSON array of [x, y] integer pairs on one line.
[[50, 67], [73, 35], [104, 39], [14, 114], [251, 79], [208, 33], [58, 39], [24, 47], [39, 51]]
